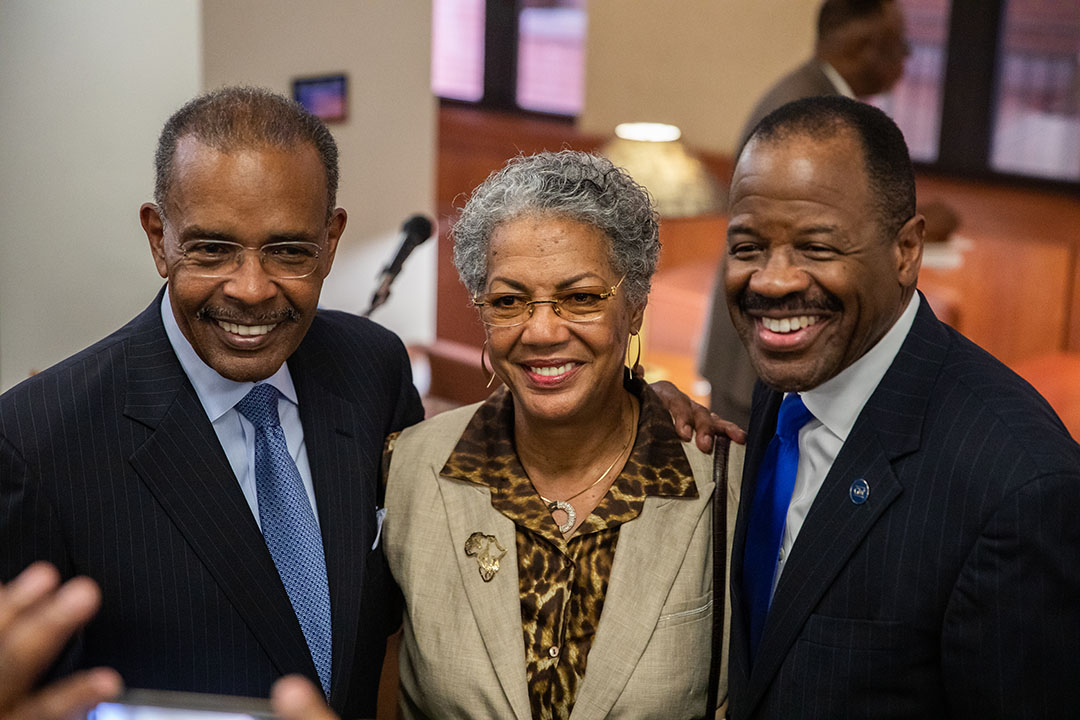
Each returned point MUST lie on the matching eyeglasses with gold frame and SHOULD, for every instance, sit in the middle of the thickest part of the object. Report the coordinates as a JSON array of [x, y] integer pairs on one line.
[[219, 258], [575, 304]]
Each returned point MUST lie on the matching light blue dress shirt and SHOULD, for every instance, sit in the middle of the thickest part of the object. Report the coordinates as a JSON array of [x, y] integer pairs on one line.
[[219, 396]]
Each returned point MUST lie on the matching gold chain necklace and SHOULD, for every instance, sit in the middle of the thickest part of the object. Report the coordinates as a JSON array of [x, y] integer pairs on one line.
[[566, 507]]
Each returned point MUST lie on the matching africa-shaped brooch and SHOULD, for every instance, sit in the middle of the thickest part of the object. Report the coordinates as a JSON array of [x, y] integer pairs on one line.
[[478, 545]]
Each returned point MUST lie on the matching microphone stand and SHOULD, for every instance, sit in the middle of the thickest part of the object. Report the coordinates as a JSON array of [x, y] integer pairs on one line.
[[415, 231], [382, 294]]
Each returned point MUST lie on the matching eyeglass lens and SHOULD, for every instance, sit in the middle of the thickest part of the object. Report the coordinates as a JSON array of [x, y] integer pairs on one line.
[[575, 304], [283, 260]]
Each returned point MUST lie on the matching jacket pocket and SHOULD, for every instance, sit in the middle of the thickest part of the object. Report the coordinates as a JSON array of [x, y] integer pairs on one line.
[[685, 611]]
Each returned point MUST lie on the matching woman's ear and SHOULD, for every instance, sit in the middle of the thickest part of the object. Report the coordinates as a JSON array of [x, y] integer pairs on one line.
[[637, 317]]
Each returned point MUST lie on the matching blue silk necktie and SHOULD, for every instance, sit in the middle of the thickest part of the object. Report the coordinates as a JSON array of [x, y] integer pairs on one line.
[[289, 527], [768, 514]]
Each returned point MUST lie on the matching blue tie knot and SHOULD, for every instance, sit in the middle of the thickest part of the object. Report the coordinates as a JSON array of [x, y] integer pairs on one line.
[[260, 405], [793, 415]]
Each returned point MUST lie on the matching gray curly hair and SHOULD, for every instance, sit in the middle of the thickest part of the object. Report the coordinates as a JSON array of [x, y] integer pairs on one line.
[[568, 184]]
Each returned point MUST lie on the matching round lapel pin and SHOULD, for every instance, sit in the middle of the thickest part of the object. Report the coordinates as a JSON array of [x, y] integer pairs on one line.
[[859, 491]]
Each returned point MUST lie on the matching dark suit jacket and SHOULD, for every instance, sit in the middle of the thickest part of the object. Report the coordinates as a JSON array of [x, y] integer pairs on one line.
[[807, 80], [954, 591], [724, 362], [110, 468]]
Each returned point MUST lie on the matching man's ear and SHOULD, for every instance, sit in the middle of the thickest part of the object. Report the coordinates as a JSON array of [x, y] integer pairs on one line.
[[153, 225], [909, 247], [337, 226]]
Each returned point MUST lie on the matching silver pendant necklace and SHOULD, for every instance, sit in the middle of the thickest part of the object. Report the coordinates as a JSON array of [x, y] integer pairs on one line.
[[566, 507]]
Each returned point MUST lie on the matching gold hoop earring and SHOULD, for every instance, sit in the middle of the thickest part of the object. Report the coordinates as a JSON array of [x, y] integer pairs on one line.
[[484, 366], [637, 359]]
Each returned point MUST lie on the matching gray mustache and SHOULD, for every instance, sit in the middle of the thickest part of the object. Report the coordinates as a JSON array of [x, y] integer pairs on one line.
[[286, 314]]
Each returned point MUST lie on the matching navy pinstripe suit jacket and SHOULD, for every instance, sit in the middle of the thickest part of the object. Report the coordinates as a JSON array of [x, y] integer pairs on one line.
[[954, 591], [110, 468]]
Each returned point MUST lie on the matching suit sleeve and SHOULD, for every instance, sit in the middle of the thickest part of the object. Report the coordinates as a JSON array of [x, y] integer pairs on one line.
[[1011, 636], [408, 410], [29, 532]]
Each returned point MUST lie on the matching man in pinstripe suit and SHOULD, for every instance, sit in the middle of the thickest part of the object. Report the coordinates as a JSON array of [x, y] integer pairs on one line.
[[129, 463], [928, 561]]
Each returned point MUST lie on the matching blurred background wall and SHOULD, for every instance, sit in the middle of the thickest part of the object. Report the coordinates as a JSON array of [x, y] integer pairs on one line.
[[84, 90], [697, 64]]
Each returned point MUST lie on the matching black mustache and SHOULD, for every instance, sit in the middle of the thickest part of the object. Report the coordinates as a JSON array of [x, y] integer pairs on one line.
[[793, 303], [286, 314]]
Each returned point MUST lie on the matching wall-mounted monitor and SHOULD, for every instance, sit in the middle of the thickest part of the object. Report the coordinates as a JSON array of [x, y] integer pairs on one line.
[[325, 97]]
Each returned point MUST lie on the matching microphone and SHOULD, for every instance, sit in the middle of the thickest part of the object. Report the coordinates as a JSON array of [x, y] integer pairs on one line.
[[414, 231]]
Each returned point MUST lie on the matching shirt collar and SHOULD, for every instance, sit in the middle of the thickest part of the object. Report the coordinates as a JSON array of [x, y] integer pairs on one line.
[[837, 80], [837, 402], [657, 466], [217, 394]]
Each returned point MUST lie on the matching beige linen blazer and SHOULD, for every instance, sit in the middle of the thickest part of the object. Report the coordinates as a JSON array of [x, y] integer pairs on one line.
[[462, 653]]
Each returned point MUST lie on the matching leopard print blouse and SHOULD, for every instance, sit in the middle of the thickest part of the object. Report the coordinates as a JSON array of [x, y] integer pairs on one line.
[[563, 582]]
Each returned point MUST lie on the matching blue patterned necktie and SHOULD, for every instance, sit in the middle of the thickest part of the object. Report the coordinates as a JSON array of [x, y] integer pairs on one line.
[[289, 527], [768, 514]]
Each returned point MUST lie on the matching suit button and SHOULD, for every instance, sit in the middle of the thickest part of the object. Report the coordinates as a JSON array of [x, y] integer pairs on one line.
[[553, 651]]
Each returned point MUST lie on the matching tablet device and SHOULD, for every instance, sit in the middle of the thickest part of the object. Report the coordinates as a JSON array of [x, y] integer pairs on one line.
[[168, 705]]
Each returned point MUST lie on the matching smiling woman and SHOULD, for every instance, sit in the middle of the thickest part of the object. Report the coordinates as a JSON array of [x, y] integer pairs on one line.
[[517, 508], [561, 368]]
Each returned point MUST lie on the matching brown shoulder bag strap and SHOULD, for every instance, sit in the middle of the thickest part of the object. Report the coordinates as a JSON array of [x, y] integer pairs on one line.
[[720, 478]]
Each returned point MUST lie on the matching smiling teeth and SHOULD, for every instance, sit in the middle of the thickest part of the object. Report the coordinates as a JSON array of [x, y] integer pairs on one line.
[[552, 371], [245, 329], [785, 325]]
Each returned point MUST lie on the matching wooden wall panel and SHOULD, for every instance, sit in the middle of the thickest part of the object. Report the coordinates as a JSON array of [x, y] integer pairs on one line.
[[1073, 341], [1010, 295]]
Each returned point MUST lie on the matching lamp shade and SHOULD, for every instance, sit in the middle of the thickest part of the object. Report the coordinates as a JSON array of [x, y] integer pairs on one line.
[[680, 184]]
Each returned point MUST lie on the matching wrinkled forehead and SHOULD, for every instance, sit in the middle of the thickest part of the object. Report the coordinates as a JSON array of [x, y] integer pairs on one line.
[[196, 164]]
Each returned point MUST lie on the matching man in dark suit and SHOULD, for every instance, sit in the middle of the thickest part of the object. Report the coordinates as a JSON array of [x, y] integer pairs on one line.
[[906, 543], [860, 50], [231, 545]]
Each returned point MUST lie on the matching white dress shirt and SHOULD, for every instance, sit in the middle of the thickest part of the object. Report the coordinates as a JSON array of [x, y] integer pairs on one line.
[[219, 396], [836, 404], [838, 81]]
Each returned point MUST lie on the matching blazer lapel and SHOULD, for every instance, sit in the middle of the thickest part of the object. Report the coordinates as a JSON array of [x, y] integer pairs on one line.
[[496, 604], [183, 465], [832, 532], [345, 499], [647, 560]]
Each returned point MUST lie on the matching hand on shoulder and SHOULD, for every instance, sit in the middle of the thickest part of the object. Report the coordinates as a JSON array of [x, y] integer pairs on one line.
[[694, 420]]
